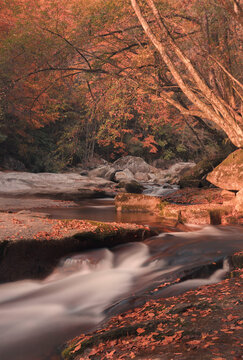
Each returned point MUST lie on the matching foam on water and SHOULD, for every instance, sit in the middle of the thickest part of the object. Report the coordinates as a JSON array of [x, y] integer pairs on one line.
[[76, 294]]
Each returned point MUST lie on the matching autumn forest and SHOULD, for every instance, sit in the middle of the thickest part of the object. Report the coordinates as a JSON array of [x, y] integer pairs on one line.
[[113, 78], [121, 179]]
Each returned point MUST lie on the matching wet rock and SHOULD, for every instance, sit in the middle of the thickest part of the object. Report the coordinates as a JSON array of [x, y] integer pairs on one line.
[[229, 174], [180, 308], [134, 187], [129, 168]]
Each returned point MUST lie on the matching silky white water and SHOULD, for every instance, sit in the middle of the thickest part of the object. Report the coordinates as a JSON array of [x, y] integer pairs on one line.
[[37, 316]]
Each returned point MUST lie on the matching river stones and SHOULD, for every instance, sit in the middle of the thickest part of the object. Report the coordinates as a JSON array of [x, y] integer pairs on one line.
[[128, 168], [229, 174]]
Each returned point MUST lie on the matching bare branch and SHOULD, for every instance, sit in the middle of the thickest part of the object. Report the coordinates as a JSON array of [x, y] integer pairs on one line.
[[227, 72]]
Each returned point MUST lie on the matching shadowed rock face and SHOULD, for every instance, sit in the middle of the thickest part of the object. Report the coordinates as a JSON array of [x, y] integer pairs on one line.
[[229, 174]]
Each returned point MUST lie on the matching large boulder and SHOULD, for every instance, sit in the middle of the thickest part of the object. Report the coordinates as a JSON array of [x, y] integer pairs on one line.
[[133, 163], [175, 171], [229, 174], [196, 176]]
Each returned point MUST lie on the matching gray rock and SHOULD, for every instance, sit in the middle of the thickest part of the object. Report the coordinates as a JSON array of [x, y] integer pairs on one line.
[[173, 174], [65, 185], [125, 175], [100, 171], [110, 175], [134, 164], [141, 176]]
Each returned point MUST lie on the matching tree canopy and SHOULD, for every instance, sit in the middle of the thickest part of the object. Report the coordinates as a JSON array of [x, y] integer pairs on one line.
[[120, 77]]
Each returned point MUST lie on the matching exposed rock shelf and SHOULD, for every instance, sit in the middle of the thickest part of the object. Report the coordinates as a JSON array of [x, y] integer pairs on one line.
[[194, 206], [66, 186], [31, 244]]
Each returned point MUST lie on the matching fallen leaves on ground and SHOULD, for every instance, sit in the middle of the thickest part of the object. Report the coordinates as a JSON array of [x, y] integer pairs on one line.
[[202, 324]]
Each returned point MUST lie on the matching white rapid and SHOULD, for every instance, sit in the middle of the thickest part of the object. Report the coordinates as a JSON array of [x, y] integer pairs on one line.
[[37, 316], [33, 314]]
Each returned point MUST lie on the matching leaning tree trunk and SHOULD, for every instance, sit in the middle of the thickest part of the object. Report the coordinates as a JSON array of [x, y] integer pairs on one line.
[[209, 104]]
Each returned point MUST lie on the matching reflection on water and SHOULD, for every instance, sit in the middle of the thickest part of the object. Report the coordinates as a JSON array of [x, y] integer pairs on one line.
[[37, 316], [101, 210]]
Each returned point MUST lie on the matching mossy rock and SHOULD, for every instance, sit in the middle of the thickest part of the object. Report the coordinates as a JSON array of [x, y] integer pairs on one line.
[[196, 177], [137, 203]]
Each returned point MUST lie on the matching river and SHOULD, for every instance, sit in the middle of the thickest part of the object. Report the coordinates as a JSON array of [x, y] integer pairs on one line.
[[87, 288]]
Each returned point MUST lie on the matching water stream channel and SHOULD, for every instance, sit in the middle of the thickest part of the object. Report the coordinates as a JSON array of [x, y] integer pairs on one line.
[[87, 288]]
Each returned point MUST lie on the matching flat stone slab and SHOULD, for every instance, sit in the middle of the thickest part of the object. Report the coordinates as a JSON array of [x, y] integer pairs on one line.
[[67, 185]]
